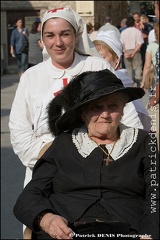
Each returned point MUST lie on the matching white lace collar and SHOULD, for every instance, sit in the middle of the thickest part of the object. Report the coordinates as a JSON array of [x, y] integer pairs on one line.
[[84, 145]]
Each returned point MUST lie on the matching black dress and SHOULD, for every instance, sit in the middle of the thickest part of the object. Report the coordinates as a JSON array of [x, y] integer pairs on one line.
[[76, 187]]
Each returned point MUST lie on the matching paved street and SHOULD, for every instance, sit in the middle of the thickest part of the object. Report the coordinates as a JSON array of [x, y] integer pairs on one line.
[[12, 170]]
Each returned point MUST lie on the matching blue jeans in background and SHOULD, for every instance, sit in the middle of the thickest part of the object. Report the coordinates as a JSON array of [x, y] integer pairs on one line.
[[22, 60]]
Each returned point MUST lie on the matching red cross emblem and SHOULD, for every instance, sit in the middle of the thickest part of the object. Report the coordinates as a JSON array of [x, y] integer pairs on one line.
[[54, 10]]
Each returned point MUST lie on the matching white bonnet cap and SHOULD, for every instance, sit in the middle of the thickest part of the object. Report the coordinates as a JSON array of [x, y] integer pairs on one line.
[[111, 38], [84, 45]]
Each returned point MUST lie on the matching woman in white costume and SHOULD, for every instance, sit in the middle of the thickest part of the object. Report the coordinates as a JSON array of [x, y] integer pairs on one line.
[[71, 52]]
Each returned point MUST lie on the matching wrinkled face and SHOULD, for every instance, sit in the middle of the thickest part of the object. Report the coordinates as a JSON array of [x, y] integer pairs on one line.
[[59, 39], [102, 116]]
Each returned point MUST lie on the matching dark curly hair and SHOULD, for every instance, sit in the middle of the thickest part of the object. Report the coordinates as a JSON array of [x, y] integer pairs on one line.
[[130, 22]]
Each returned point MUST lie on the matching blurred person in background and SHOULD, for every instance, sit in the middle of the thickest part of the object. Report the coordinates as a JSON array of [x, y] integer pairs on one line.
[[150, 56], [123, 24], [19, 45], [145, 29], [93, 35], [132, 40], [35, 45], [151, 36], [137, 23], [90, 28], [109, 26]]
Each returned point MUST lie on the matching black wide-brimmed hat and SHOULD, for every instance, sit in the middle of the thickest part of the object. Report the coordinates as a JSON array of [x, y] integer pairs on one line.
[[64, 111]]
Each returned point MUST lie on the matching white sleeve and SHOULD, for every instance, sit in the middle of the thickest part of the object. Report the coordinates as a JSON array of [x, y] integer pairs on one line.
[[130, 116], [151, 36], [143, 114], [139, 38], [24, 142]]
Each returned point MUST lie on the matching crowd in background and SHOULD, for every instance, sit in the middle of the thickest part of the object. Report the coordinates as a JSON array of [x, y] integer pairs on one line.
[[26, 46], [32, 54]]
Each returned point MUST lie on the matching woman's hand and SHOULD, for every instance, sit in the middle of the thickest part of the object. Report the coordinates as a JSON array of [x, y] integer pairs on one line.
[[56, 226]]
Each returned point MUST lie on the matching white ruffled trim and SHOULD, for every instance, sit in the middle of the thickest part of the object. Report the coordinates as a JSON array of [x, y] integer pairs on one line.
[[84, 145]]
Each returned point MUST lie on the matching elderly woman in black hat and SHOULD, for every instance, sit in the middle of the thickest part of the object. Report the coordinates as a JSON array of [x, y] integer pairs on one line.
[[99, 178]]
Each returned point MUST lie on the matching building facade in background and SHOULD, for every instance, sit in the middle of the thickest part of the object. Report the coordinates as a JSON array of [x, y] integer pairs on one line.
[[30, 11]]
